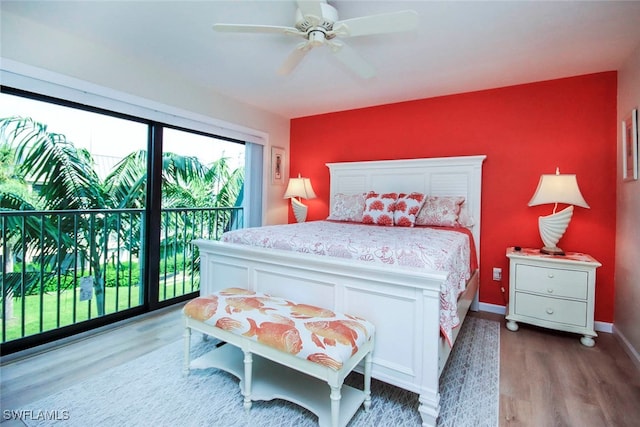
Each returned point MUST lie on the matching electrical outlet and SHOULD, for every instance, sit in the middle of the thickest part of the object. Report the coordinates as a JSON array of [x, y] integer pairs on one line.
[[497, 274]]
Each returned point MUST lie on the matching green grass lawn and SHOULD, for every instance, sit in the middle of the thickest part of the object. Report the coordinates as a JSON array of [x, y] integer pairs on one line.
[[52, 317]]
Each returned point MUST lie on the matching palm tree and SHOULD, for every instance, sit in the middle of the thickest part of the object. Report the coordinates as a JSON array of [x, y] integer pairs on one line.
[[186, 183], [67, 181]]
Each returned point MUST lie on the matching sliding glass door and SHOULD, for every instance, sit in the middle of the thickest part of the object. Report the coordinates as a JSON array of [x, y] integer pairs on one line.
[[202, 189], [70, 222], [98, 211]]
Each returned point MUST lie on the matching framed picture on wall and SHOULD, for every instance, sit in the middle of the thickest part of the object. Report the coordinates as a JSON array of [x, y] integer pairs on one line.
[[277, 165], [630, 146]]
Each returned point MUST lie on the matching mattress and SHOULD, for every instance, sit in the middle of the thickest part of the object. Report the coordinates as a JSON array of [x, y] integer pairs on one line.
[[430, 248]]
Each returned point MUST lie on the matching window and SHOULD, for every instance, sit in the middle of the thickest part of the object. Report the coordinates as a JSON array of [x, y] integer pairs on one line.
[[202, 186], [99, 226]]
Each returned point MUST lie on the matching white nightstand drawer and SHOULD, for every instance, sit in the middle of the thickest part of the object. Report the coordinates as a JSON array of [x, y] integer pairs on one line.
[[556, 292], [551, 309], [552, 281]]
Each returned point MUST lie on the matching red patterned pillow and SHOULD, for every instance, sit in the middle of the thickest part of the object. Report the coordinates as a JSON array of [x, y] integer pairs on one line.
[[407, 208], [379, 208], [441, 211]]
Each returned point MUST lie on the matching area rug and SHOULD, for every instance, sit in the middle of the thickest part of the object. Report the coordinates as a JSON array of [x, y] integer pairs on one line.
[[150, 391]]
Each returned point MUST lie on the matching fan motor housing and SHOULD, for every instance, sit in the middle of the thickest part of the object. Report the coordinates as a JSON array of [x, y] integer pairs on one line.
[[322, 23]]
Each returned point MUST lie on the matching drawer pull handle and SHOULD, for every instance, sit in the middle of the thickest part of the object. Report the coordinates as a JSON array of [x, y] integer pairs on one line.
[[550, 290], [550, 275], [549, 310]]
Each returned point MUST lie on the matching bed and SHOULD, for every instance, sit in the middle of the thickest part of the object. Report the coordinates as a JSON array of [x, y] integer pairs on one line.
[[402, 301]]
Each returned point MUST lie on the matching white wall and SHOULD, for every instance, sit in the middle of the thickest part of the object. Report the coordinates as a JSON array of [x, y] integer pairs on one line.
[[627, 298], [35, 45]]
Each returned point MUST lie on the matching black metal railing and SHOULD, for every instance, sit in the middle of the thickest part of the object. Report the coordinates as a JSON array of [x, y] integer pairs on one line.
[[59, 268]]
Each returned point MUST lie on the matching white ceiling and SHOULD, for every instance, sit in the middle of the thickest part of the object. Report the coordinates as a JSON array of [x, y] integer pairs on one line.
[[458, 46]]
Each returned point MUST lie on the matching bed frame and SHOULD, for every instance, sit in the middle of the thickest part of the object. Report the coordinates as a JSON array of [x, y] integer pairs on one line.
[[402, 303]]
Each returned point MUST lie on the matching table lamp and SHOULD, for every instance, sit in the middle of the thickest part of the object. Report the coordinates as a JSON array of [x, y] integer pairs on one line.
[[301, 188], [556, 188]]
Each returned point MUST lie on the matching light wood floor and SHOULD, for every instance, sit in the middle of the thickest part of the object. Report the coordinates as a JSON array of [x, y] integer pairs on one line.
[[546, 378]]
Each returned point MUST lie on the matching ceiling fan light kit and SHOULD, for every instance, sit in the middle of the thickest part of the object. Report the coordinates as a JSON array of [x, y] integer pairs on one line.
[[318, 23], [316, 38]]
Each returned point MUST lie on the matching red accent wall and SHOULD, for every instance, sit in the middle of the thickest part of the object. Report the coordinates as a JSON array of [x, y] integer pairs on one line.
[[525, 131]]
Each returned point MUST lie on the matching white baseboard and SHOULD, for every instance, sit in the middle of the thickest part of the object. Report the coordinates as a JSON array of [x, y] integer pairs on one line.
[[603, 327], [628, 348], [598, 326], [493, 308], [501, 309]]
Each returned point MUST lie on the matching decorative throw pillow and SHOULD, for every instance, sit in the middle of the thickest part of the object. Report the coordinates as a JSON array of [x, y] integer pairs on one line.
[[442, 210], [347, 207], [465, 219], [407, 208], [379, 208]]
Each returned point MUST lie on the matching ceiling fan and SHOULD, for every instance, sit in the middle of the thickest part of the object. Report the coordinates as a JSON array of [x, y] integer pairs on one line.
[[317, 22]]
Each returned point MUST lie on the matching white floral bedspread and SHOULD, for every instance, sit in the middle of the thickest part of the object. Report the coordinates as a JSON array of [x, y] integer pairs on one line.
[[416, 247]]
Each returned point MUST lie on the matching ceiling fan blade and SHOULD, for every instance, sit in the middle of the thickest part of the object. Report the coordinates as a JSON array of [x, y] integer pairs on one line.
[[352, 59], [294, 58], [311, 8], [250, 28], [404, 20]]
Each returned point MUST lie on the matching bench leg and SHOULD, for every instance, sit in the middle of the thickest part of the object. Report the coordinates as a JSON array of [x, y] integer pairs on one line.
[[187, 351], [336, 396], [248, 362], [367, 381]]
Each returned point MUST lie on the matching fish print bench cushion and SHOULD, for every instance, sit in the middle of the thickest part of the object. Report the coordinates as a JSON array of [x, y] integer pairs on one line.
[[312, 333]]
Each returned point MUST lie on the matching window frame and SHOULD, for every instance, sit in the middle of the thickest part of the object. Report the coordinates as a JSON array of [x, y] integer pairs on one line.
[[151, 257]]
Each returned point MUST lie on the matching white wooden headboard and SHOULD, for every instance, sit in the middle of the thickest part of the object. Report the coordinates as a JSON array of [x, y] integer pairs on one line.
[[438, 176]]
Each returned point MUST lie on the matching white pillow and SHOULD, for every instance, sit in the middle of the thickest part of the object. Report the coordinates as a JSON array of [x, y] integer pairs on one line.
[[440, 210], [465, 218], [347, 207]]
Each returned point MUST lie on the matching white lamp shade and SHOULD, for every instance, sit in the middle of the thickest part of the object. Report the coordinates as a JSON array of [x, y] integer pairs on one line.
[[557, 188], [299, 187]]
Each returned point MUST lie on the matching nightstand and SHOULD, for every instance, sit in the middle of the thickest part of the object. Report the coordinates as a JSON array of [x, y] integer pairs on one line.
[[556, 292]]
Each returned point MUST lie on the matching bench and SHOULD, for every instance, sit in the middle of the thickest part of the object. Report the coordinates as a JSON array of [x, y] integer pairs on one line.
[[297, 349]]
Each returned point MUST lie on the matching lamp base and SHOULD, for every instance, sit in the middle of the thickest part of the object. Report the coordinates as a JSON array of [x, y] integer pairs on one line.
[[299, 210], [551, 251], [552, 227]]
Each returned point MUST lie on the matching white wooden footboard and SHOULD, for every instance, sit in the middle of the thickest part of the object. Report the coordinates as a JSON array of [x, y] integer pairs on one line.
[[402, 304]]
